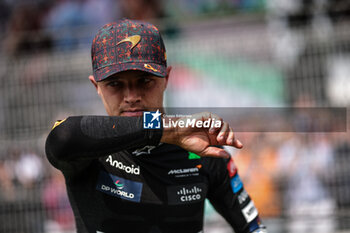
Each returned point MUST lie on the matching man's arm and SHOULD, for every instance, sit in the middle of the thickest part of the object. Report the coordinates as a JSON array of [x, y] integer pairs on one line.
[[80, 139], [201, 140], [83, 138], [230, 199], [226, 191]]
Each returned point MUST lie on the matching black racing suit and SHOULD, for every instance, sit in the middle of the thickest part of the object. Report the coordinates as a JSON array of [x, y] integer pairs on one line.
[[121, 179]]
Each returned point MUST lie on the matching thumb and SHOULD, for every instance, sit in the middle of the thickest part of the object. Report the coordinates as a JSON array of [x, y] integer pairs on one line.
[[215, 152]]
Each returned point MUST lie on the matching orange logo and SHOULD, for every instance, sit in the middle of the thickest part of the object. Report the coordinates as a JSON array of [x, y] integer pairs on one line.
[[199, 166], [133, 39], [148, 66], [57, 123]]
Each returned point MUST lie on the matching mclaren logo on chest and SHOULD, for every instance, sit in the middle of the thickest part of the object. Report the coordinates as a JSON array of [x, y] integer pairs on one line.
[[185, 172], [130, 169]]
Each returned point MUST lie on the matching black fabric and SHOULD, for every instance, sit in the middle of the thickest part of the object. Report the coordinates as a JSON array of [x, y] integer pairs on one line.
[[120, 179]]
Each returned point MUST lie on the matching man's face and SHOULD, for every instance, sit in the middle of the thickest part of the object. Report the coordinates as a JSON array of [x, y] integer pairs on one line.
[[129, 93]]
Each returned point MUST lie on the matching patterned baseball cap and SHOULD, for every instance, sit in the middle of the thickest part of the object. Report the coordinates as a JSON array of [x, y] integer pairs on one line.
[[128, 45]]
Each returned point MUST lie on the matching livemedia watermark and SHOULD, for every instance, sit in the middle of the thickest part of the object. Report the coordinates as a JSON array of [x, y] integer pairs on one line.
[[307, 120]]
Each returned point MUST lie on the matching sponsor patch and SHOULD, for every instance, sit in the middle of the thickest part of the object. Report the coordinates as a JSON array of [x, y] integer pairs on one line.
[[130, 169], [243, 197], [250, 212], [144, 150], [186, 194], [185, 172], [119, 187], [236, 183], [192, 155], [231, 168]]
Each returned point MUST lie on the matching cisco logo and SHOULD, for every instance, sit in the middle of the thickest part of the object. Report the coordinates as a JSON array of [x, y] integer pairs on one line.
[[186, 194], [190, 194]]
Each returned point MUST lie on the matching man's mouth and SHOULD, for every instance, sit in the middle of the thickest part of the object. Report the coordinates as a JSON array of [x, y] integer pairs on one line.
[[132, 112]]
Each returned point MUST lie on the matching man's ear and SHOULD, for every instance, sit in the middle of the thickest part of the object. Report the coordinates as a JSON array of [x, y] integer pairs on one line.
[[92, 80], [168, 69]]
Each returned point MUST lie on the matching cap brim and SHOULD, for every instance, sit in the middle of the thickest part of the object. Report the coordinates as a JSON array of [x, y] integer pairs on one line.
[[153, 68]]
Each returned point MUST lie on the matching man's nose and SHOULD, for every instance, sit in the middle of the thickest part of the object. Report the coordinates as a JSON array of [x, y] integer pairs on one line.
[[132, 95]]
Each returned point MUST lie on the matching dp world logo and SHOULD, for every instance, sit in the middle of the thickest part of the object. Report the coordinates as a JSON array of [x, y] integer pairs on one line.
[[119, 185], [151, 120]]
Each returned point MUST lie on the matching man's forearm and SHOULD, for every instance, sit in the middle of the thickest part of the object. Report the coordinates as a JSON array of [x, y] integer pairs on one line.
[[87, 137]]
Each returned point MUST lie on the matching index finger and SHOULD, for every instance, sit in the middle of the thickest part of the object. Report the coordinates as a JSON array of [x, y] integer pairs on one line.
[[232, 141], [213, 129]]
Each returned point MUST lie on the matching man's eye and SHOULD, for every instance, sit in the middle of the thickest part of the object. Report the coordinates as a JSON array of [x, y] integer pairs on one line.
[[145, 80], [114, 84]]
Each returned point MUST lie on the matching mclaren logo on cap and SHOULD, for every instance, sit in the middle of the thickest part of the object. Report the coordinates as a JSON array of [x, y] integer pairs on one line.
[[133, 39], [148, 66]]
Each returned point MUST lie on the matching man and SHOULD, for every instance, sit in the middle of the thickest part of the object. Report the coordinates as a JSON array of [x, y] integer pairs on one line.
[[123, 178]]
